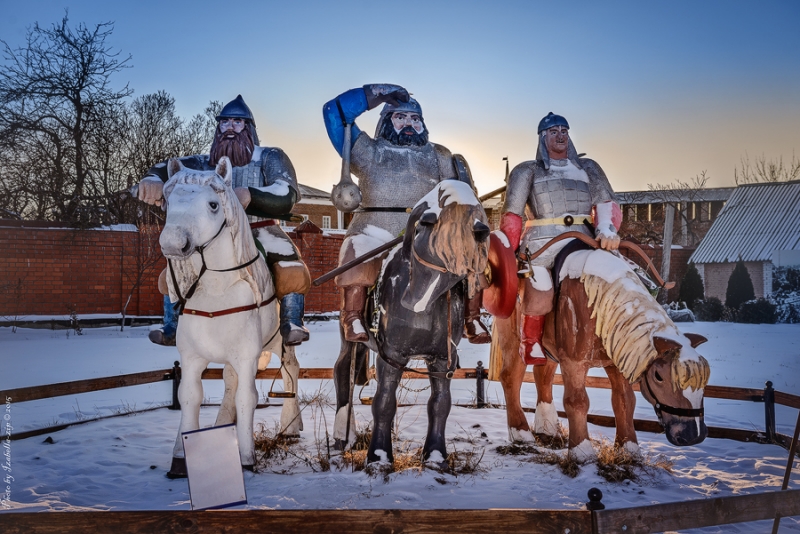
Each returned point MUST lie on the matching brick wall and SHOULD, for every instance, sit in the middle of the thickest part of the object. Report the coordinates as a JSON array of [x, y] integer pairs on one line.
[[716, 276], [52, 271], [321, 255], [315, 212]]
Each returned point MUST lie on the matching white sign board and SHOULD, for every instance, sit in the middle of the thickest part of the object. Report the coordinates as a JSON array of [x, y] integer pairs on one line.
[[214, 468]]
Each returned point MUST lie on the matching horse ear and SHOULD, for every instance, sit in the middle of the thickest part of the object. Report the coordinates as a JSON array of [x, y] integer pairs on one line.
[[174, 166], [428, 218], [224, 169], [695, 339], [481, 231], [663, 344]]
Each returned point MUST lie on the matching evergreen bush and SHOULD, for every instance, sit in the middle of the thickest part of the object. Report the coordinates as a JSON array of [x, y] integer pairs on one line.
[[691, 287], [740, 287], [710, 309], [758, 311]]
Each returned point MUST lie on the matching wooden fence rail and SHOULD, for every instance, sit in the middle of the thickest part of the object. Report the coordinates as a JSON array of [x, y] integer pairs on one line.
[[638, 520], [325, 373]]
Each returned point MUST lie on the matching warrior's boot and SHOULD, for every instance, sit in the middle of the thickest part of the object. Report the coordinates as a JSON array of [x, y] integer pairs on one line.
[[354, 298], [292, 330], [474, 330], [166, 334], [530, 343]]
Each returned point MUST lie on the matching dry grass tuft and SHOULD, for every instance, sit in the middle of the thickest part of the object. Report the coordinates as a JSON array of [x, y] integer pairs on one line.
[[273, 446], [616, 464]]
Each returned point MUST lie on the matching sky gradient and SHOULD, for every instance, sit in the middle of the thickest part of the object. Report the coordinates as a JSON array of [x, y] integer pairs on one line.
[[654, 91]]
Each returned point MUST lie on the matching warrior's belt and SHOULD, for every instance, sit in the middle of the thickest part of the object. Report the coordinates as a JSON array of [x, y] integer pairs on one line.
[[565, 220], [391, 210]]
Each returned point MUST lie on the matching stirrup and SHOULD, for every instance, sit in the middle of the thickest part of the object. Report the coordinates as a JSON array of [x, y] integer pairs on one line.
[[281, 394]]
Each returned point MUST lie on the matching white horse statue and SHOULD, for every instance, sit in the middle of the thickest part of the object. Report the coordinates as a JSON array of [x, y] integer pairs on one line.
[[230, 314]]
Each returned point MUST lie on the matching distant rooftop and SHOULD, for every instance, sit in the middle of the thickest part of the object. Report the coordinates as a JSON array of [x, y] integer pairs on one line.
[[757, 220], [712, 194]]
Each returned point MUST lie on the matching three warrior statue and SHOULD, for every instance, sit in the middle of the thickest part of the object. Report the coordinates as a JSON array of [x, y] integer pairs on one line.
[[404, 183], [560, 190]]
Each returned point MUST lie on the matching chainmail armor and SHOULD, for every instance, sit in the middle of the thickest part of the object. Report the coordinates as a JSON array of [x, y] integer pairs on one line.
[[390, 176]]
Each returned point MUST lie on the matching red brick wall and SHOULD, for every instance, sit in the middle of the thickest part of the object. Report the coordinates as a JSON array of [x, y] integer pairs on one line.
[[321, 254], [52, 271]]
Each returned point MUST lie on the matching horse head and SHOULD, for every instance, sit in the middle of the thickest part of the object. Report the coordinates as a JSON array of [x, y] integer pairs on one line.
[[446, 241], [674, 384], [198, 207]]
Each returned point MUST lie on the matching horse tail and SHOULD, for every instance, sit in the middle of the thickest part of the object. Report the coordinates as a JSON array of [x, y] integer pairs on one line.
[[505, 340]]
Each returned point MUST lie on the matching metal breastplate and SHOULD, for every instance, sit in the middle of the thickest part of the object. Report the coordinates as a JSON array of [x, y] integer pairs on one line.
[[564, 189]]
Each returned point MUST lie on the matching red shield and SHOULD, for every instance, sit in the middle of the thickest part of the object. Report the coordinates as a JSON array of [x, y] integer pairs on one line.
[[501, 296]]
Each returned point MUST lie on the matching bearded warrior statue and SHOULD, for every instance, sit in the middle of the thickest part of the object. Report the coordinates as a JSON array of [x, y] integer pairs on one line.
[[265, 183], [563, 192], [394, 170]]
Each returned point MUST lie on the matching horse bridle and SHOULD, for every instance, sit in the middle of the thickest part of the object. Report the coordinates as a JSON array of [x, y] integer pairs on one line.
[[180, 306], [680, 412]]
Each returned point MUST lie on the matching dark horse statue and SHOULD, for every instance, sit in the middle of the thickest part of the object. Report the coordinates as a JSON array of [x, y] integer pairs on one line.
[[419, 299]]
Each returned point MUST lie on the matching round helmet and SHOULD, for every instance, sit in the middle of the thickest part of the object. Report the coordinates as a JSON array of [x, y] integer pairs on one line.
[[412, 106], [552, 120], [236, 109]]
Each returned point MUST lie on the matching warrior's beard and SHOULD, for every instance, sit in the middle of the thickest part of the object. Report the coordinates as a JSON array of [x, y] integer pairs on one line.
[[402, 138], [238, 148]]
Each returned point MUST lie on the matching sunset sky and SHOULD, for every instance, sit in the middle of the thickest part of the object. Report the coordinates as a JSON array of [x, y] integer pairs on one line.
[[654, 91]]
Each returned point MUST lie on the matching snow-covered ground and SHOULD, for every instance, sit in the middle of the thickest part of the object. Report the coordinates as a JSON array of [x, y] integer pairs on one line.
[[119, 463]]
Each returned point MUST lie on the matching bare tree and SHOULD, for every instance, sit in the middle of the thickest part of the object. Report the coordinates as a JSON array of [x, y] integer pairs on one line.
[[141, 259], [55, 94], [766, 171]]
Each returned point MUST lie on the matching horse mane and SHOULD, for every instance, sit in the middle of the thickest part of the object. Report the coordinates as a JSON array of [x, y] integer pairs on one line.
[[453, 235], [256, 274], [627, 318]]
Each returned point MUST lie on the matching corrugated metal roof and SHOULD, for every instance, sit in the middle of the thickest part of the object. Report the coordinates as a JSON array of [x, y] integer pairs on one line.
[[757, 220], [713, 194]]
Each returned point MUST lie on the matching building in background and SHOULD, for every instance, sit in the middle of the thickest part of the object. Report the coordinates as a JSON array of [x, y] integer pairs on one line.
[[758, 224]]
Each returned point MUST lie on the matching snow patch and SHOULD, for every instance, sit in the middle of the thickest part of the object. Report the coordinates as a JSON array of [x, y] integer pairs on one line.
[[583, 452]]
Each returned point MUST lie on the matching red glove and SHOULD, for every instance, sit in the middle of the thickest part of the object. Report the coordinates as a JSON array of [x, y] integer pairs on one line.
[[511, 225]]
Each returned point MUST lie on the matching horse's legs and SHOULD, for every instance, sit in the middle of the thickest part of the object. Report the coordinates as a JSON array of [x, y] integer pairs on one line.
[[505, 341], [546, 420], [190, 395], [438, 409], [246, 400], [341, 377], [576, 404], [227, 410], [384, 407], [623, 401], [291, 419]]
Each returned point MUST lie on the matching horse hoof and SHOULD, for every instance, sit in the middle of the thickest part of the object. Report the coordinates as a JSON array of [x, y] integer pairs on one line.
[[177, 469], [378, 468]]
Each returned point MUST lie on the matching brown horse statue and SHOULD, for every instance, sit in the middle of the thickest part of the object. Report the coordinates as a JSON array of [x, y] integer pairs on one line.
[[604, 317]]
